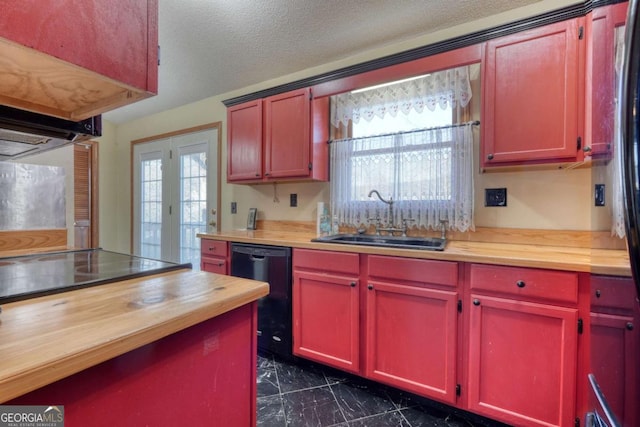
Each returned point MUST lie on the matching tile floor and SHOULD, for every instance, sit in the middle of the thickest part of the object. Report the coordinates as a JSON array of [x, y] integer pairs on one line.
[[306, 394]]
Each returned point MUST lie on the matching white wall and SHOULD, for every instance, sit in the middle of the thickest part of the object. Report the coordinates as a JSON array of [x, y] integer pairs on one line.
[[542, 199]]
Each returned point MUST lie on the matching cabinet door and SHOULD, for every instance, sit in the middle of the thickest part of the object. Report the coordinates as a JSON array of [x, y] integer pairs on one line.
[[287, 134], [78, 58], [600, 87], [531, 89], [522, 361], [614, 357], [244, 141], [326, 319], [412, 338]]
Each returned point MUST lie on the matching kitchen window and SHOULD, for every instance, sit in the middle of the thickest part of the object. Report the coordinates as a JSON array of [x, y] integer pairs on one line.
[[412, 141]]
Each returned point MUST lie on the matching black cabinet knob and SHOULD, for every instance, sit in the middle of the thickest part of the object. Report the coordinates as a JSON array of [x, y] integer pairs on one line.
[[598, 293], [476, 302], [370, 287], [629, 326], [520, 284], [490, 157], [352, 284]]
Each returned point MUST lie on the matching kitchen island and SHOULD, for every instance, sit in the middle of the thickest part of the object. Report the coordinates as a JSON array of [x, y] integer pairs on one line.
[[177, 348]]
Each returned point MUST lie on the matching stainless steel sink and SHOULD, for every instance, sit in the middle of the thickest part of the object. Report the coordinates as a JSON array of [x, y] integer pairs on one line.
[[425, 243]]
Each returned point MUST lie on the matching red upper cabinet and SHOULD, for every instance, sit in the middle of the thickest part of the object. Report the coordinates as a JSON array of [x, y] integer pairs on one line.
[[78, 58], [282, 137], [287, 132], [601, 26], [244, 141], [531, 92]]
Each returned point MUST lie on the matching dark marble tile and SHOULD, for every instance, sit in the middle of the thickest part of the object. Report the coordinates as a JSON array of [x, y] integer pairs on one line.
[[270, 412], [389, 419], [359, 400], [417, 417], [265, 362], [312, 407], [267, 382], [292, 377]]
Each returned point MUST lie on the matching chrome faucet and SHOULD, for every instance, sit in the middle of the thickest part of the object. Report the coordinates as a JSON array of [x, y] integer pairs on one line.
[[391, 228], [389, 202]]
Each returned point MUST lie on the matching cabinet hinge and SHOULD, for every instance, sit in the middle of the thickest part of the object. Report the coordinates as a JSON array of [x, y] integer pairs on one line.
[[169, 209], [171, 154], [580, 33], [580, 326], [310, 166], [579, 142], [158, 54], [577, 422], [458, 389], [459, 306]]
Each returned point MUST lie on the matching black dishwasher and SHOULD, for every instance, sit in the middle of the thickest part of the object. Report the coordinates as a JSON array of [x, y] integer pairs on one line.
[[271, 264]]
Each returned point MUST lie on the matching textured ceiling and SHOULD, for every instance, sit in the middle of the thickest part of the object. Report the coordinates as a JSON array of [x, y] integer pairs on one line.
[[210, 47]]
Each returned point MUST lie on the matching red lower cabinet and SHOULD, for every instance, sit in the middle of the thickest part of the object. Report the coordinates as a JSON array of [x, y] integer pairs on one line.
[[615, 345], [214, 256], [522, 361], [412, 338], [411, 325], [326, 308], [204, 375], [523, 345]]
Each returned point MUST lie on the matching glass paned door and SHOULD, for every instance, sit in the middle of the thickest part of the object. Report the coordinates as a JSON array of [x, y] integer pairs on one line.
[[175, 195], [193, 201], [151, 206]]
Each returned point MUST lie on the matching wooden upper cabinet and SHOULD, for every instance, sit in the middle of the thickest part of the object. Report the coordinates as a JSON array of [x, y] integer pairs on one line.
[[287, 130], [244, 141], [77, 58], [282, 137], [601, 25], [531, 92]]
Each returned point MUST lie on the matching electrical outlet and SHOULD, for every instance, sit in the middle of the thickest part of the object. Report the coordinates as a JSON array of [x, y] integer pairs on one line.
[[234, 207], [599, 195], [495, 197], [293, 200]]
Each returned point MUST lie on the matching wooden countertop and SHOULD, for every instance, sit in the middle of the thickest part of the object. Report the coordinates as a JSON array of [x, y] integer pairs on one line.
[[596, 261], [45, 339]]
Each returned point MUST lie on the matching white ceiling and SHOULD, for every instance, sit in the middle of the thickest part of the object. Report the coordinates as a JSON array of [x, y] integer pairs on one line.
[[210, 47]]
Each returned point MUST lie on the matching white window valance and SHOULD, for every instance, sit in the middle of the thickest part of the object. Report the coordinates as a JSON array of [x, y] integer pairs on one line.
[[448, 88]]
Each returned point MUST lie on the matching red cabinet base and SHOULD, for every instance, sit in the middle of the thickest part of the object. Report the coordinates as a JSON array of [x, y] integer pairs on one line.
[[203, 375]]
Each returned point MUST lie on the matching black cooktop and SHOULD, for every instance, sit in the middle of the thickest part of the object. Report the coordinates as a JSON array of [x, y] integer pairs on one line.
[[43, 274]]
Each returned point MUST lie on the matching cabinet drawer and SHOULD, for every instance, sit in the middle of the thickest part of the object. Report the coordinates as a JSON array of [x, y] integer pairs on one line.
[[213, 265], [335, 262], [414, 270], [613, 293], [214, 247], [558, 286]]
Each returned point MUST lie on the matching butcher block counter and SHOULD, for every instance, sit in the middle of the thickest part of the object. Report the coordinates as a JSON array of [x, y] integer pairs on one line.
[[579, 259], [110, 351]]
